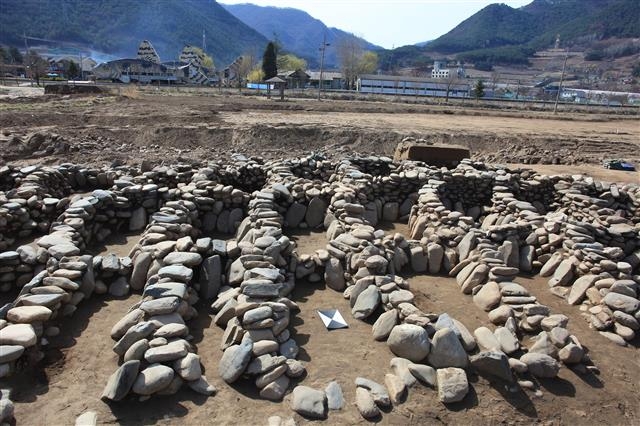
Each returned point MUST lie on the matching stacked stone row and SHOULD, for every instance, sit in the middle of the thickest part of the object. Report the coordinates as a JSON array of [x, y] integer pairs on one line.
[[588, 246], [312, 167], [541, 359], [35, 195], [69, 276], [52, 293], [152, 340], [254, 308]]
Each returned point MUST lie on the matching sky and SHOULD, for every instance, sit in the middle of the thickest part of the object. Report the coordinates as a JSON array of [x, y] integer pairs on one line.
[[388, 23]]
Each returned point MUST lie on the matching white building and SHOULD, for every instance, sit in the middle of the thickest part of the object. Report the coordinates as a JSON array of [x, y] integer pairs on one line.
[[438, 71], [410, 86]]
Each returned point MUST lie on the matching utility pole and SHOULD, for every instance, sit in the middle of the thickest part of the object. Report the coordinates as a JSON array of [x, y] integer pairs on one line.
[[322, 49], [204, 41], [555, 107]]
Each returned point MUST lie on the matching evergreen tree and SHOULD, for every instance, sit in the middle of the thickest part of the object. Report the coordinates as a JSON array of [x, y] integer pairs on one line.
[[269, 61], [478, 90], [72, 70]]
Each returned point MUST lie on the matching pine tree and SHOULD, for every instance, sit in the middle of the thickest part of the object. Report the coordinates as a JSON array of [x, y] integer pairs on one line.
[[269, 61], [478, 90]]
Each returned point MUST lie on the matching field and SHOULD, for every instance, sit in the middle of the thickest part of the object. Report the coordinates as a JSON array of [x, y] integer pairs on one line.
[[168, 127]]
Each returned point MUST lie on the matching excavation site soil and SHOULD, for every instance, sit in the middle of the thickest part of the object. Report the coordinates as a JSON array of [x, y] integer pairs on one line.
[[200, 128], [173, 127]]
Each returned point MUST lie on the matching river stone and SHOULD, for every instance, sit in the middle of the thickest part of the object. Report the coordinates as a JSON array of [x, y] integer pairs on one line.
[[132, 335], [541, 365], [28, 314], [492, 363], [621, 302], [396, 387], [169, 352], [295, 214], [275, 390], [202, 386], [486, 339], [161, 306], [210, 277], [153, 379], [508, 342], [137, 350], [580, 287], [176, 272], [334, 274], [425, 373], [129, 320], [120, 287], [366, 303], [488, 297], [365, 404], [378, 392], [10, 353], [120, 381], [309, 402], [18, 334], [182, 258], [571, 354], [235, 360], [315, 212], [446, 350], [165, 289], [141, 266], [409, 341], [452, 384], [270, 376], [335, 399], [188, 367], [384, 324]]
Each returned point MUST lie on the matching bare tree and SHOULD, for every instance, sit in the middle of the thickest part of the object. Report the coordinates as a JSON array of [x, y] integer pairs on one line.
[[495, 79], [245, 66], [36, 65], [349, 50], [449, 82]]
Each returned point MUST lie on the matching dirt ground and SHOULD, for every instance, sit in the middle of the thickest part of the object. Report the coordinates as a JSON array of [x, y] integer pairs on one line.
[[133, 126], [78, 365], [198, 127]]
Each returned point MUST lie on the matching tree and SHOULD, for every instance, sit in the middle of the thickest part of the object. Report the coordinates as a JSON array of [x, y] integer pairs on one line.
[[349, 52], [256, 75], [368, 63], [246, 64], [269, 61], [450, 81], [72, 70], [290, 62], [15, 55], [36, 64], [354, 60], [636, 70], [478, 90], [205, 60]]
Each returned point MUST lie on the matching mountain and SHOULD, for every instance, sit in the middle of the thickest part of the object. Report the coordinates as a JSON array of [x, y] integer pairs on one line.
[[498, 31], [117, 26], [297, 31]]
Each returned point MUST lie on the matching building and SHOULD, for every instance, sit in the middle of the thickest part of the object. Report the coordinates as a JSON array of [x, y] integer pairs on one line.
[[440, 72], [330, 80], [297, 79], [140, 71], [147, 68], [410, 86]]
